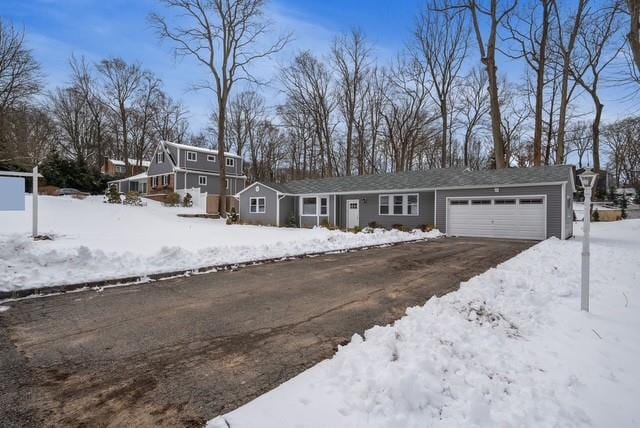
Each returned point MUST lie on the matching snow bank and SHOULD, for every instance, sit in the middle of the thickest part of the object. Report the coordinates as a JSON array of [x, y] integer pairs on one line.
[[95, 241], [510, 348]]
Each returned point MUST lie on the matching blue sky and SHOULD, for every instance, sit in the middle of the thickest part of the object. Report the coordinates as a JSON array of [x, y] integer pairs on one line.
[[98, 29]]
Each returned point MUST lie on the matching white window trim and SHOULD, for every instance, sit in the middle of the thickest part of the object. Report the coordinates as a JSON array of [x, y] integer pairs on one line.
[[257, 199], [165, 180], [405, 204], [154, 181], [211, 158], [200, 181], [160, 157], [318, 206], [190, 155], [232, 164]]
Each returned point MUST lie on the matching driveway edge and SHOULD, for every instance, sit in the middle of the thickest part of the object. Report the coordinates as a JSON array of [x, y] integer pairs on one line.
[[145, 279]]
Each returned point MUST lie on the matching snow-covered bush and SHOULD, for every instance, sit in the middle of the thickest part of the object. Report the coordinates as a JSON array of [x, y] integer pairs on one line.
[[187, 201], [232, 216], [133, 198], [113, 196], [172, 199]]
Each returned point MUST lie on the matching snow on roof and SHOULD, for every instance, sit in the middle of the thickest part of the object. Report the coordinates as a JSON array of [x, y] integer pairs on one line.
[[141, 176], [200, 149], [144, 163]]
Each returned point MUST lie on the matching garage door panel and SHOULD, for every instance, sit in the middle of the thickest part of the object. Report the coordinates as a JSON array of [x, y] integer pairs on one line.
[[507, 218]]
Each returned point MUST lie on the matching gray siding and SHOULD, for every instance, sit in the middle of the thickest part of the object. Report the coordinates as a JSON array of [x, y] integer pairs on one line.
[[287, 210], [203, 164], [269, 216], [369, 209], [553, 194], [165, 167], [213, 183], [569, 212]]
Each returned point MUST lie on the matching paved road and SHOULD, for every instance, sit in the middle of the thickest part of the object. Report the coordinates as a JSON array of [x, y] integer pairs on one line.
[[179, 352]]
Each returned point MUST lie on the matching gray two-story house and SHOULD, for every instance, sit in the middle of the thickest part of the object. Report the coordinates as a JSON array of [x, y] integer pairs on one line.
[[524, 203], [177, 167]]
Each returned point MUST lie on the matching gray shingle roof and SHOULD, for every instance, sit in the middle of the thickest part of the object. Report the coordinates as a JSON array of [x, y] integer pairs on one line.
[[427, 179]]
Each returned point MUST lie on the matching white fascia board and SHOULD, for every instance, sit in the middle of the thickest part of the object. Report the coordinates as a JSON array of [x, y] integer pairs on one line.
[[256, 183]]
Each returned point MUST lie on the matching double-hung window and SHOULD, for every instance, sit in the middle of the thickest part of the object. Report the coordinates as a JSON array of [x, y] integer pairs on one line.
[[230, 162], [406, 204], [165, 180], [315, 206], [257, 205], [202, 180], [192, 156], [309, 206], [159, 157], [154, 181]]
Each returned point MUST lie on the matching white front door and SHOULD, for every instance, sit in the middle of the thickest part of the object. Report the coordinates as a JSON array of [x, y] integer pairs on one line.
[[353, 213]]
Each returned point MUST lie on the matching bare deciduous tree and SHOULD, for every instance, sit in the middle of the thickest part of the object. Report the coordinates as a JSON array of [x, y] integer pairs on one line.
[[531, 33], [599, 46], [496, 12], [566, 46], [350, 56], [441, 39], [121, 82], [224, 36], [473, 106]]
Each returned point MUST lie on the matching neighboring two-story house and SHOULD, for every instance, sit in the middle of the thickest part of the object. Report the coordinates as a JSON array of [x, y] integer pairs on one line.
[[117, 168], [180, 168]]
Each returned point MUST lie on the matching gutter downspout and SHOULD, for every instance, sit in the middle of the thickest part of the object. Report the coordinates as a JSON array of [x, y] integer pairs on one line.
[[280, 197]]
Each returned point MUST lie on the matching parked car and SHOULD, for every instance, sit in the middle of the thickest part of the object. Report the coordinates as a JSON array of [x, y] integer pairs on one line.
[[69, 191]]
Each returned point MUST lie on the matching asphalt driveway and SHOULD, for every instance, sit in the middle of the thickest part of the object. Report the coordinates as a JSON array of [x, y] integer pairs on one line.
[[179, 352]]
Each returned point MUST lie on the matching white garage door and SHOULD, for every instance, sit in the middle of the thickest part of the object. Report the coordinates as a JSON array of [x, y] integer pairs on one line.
[[522, 217]]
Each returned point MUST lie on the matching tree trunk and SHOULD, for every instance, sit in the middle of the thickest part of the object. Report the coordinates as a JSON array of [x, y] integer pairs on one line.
[[496, 120], [596, 133], [444, 113], [222, 111], [540, 81], [566, 67]]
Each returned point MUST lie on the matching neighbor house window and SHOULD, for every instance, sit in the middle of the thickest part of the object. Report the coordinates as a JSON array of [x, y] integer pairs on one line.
[[120, 168], [154, 181], [230, 162], [398, 204], [202, 180], [159, 157], [309, 206], [165, 180], [226, 183], [192, 156], [211, 158], [257, 205]]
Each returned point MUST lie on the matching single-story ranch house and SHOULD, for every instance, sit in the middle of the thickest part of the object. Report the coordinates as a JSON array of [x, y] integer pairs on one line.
[[525, 203]]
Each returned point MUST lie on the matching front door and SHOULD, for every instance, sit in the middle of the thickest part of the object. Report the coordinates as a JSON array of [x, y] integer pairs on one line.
[[353, 213]]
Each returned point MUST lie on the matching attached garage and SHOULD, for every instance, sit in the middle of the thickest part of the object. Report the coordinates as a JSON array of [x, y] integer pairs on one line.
[[515, 217]]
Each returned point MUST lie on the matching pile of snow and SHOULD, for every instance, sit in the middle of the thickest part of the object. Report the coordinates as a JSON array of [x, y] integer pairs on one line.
[[510, 348], [95, 241]]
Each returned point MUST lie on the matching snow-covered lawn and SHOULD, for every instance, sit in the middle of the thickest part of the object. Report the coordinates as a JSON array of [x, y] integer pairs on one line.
[[96, 241], [510, 348]]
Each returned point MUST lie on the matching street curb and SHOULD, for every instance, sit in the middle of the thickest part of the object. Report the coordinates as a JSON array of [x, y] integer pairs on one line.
[[150, 278]]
